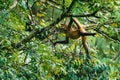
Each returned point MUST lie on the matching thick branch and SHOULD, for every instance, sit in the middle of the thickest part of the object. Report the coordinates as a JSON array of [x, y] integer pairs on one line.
[[34, 33], [26, 39]]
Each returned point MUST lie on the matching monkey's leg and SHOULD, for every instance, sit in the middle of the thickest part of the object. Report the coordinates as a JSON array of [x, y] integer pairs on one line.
[[84, 42]]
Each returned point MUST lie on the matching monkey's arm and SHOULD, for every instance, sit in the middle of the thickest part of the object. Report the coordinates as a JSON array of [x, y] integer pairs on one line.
[[67, 37], [62, 42], [86, 34]]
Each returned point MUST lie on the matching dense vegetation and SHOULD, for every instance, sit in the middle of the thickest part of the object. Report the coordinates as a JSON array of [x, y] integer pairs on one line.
[[28, 29]]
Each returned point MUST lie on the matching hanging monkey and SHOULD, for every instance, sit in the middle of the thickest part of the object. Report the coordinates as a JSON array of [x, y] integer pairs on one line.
[[75, 34]]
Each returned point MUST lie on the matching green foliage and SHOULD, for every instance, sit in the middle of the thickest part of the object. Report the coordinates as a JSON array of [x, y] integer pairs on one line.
[[38, 59]]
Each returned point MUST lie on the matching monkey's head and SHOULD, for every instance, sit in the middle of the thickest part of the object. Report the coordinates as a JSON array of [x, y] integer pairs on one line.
[[63, 28]]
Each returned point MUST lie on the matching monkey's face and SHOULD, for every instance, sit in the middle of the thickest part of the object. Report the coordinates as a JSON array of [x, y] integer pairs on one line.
[[63, 28]]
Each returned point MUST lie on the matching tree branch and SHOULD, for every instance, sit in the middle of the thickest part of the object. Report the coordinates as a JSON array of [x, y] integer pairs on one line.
[[30, 16], [63, 5], [54, 2], [97, 29], [108, 36], [84, 15], [116, 55], [53, 5], [26, 39], [14, 4]]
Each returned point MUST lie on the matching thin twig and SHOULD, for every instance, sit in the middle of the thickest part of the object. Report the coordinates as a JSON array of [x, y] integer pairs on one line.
[[54, 2], [108, 36], [116, 56], [14, 4], [31, 18]]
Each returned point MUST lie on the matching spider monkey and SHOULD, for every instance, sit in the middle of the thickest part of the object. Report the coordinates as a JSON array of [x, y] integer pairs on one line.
[[75, 34]]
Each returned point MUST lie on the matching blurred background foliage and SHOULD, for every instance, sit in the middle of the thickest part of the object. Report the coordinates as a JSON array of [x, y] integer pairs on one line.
[[38, 59]]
